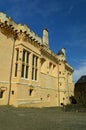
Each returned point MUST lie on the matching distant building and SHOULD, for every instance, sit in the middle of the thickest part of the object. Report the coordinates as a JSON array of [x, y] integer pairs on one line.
[[31, 75], [80, 90]]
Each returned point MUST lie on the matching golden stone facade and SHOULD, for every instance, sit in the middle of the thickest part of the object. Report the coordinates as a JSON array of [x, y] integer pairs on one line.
[[31, 75]]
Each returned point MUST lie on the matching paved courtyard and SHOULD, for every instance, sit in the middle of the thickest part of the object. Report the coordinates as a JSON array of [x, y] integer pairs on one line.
[[40, 119]]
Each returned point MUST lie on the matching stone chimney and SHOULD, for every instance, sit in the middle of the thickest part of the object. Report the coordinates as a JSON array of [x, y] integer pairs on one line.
[[63, 50], [45, 37]]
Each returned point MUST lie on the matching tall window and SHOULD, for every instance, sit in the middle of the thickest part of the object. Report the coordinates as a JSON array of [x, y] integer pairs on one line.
[[25, 64], [34, 67], [16, 63]]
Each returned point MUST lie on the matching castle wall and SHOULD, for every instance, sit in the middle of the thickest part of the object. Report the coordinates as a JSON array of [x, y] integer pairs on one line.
[[31, 75], [6, 48]]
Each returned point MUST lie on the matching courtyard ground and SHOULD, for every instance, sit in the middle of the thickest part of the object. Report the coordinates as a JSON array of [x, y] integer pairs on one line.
[[40, 119]]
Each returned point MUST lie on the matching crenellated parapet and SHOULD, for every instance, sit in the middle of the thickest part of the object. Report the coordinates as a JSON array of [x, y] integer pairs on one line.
[[22, 32], [8, 26]]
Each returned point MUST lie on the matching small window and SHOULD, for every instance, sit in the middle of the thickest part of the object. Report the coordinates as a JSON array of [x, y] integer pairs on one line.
[[1, 94], [54, 66], [50, 65], [59, 72], [60, 84], [12, 92], [62, 104], [63, 98], [41, 99], [31, 92]]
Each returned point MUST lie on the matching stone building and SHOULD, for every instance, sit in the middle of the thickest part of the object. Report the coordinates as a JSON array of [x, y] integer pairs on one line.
[[80, 90], [31, 75]]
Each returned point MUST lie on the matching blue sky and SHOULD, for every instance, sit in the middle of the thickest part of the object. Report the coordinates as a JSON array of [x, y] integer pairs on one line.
[[65, 20]]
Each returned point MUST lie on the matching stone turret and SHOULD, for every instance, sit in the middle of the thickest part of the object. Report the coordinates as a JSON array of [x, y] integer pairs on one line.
[[62, 54], [63, 51], [45, 37]]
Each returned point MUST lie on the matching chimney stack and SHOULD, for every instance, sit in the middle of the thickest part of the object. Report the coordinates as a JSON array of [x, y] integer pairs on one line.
[[45, 37]]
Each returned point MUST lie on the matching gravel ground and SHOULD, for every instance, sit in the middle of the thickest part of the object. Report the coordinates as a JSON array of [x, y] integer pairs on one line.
[[40, 119]]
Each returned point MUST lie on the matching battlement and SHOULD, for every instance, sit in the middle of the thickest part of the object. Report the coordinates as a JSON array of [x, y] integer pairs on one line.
[[19, 28]]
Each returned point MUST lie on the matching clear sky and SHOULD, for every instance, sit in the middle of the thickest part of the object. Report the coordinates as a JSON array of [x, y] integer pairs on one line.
[[65, 21]]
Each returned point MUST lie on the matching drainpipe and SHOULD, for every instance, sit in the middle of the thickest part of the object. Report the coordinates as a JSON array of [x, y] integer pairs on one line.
[[11, 69], [68, 87], [58, 87]]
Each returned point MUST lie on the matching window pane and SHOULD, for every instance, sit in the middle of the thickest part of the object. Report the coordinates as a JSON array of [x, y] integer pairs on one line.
[[26, 75], [23, 57], [32, 73], [33, 60], [17, 54], [36, 61], [22, 73], [35, 74], [27, 59]]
